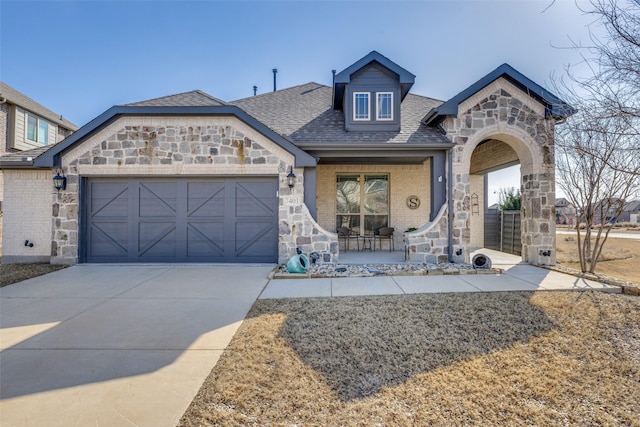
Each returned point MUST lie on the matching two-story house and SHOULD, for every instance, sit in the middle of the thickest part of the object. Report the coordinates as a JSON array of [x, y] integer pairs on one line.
[[27, 125], [565, 212], [192, 178]]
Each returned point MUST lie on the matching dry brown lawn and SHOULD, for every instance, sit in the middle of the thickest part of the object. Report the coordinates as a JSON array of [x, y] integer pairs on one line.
[[620, 257], [13, 273], [520, 358]]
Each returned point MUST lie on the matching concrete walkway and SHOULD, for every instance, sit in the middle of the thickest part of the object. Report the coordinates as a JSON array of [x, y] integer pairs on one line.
[[103, 345], [516, 277]]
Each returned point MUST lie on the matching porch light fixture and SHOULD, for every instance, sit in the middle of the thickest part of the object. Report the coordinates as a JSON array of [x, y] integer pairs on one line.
[[291, 178], [60, 181]]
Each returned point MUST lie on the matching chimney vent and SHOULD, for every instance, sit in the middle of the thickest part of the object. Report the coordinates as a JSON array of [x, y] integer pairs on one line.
[[275, 71]]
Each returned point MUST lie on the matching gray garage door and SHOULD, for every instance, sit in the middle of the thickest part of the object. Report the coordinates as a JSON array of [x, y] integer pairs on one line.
[[181, 220]]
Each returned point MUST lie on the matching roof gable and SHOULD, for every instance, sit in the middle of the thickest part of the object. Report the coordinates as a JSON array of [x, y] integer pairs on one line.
[[554, 106], [51, 157], [193, 98], [344, 77]]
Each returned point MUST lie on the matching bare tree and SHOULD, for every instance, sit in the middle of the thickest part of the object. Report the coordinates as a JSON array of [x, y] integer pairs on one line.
[[598, 174], [598, 147]]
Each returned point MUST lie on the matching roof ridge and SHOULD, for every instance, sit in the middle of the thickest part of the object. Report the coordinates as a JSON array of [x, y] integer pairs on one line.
[[213, 98], [426, 97], [190, 92], [279, 90]]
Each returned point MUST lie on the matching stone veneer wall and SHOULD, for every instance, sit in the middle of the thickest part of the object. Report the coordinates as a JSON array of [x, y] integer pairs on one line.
[[476, 220], [430, 243], [503, 112], [182, 146]]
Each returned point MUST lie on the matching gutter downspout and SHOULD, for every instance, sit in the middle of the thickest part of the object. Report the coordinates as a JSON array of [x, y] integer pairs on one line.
[[450, 202]]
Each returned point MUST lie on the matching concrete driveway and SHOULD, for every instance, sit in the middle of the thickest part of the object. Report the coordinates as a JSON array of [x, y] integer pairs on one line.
[[109, 345]]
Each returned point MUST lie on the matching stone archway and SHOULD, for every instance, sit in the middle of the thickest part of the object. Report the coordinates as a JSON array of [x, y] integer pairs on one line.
[[489, 229], [505, 145], [498, 111]]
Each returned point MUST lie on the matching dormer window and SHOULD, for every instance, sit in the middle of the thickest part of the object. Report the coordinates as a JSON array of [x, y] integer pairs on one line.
[[370, 93], [384, 106], [361, 106]]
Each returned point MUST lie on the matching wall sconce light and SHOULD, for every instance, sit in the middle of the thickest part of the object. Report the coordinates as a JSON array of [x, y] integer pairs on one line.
[[60, 181], [291, 178]]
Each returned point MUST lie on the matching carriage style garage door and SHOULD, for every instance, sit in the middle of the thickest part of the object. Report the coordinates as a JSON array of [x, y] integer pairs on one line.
[[181, 220]]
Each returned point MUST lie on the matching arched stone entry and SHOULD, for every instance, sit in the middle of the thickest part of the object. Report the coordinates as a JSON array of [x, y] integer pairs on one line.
[[494, 148], [499, 117], [492, 155]]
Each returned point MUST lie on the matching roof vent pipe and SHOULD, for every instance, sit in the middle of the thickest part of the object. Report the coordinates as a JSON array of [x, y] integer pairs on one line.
[[255, 90], [333, 81], [275, 71]]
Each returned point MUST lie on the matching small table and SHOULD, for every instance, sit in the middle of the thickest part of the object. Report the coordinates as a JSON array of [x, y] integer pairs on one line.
[[368, 244]]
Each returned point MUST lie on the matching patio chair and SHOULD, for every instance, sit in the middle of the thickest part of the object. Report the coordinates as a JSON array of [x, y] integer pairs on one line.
[[346, 235], [385, 233]]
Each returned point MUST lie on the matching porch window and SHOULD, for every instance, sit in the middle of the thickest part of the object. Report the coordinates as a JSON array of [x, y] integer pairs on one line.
[[362, 202]]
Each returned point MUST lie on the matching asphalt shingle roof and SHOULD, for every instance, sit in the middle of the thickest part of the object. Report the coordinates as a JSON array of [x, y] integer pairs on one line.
[[23, 156], [194, 98], [304, 114], [23, 101], [632, 206]]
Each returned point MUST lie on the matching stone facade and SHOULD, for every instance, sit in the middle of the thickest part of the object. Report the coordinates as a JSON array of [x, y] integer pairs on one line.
[[501, 112], [430, 243], [179, 146]]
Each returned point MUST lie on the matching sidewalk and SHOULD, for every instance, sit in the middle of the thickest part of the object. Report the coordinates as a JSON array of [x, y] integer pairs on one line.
[[516, 276]]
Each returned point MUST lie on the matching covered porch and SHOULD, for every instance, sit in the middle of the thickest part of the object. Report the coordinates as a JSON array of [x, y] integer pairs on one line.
[[365, 192]]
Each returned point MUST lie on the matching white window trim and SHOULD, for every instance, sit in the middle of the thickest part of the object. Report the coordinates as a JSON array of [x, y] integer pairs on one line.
[[368, 118], [378, 107]]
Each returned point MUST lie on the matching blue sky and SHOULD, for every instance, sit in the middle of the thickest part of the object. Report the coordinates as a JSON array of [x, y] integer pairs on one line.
[[79, 58]]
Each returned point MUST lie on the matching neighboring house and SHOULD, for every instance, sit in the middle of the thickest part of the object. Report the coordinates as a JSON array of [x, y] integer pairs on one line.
[[631, 212], [565, 212], [192, 178], [608, 210], [27, 125]]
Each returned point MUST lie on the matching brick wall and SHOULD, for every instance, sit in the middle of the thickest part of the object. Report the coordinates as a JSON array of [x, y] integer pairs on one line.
[[27, 207]]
